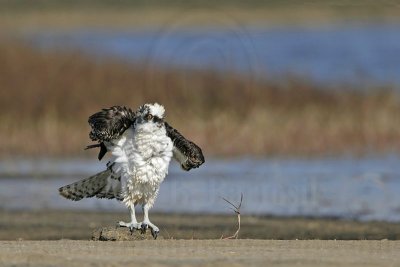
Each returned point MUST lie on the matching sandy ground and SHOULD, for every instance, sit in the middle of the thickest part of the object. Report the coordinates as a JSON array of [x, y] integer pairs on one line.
[[78, 225], [200, 253], [194, 240]]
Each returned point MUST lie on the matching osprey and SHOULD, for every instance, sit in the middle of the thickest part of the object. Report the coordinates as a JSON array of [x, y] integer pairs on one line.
[[141, 144]]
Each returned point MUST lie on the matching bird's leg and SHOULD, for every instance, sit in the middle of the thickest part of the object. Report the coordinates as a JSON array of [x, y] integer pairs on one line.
[[146, 222], [133, 224]]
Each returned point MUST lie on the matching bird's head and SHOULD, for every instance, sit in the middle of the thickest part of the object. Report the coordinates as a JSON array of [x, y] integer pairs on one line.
[[150, 117]]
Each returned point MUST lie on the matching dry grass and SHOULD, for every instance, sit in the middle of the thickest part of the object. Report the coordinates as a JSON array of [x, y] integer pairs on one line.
[[46, 97], [25, 15]]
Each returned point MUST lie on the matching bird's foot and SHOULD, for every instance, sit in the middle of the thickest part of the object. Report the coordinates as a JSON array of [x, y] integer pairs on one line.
[[131, 225], [154, 229]]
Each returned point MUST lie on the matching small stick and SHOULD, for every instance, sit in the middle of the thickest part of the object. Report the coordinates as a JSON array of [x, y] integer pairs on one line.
[[236, 209]]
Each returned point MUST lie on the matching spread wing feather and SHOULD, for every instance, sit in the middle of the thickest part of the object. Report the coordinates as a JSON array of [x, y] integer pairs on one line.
[[187, 153], [104, 184], [110, 123]]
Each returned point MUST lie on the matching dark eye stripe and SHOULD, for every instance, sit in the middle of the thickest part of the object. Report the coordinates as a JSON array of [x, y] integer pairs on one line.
[[157, 119]]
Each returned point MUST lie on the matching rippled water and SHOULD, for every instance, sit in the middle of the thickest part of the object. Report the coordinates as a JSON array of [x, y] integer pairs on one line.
[[364, 189], [366, 52]]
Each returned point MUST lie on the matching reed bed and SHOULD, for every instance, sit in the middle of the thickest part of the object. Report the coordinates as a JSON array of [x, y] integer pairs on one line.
[[47, 96], [31, 16]]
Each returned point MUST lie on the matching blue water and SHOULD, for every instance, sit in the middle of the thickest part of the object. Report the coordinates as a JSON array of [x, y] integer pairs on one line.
[[363, 189], [338, 53]]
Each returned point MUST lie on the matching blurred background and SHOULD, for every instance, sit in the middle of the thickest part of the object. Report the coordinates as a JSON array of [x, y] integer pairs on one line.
[[294, 105]]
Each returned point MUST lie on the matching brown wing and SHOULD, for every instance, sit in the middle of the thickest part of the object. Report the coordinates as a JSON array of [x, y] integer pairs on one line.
[[186, 152], [109, 124]]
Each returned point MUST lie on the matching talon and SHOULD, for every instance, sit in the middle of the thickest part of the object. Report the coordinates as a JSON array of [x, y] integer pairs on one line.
[[122, 224], [144, 228], [132, 226], [154, 233]]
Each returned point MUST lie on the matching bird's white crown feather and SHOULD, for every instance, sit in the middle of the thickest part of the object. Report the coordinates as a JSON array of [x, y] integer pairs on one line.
[[157, 110], [153, 109]]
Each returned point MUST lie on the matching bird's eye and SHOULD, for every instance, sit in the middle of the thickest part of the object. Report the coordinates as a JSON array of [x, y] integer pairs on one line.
[[149, 117]]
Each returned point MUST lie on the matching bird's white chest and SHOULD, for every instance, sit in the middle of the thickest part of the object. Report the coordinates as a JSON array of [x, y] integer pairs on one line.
[[142, 159], [150, 157]]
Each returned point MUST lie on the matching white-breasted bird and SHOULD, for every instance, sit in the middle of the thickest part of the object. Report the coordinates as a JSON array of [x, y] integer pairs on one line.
[[141, 145]]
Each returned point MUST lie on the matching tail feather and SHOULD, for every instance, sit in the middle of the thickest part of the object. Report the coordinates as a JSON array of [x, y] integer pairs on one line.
[[88, 187]]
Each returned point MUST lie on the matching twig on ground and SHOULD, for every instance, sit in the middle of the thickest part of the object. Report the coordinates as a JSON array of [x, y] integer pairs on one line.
[[236, 209]]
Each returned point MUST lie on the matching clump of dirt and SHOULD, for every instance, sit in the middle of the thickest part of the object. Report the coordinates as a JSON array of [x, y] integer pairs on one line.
[[115, 233]]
